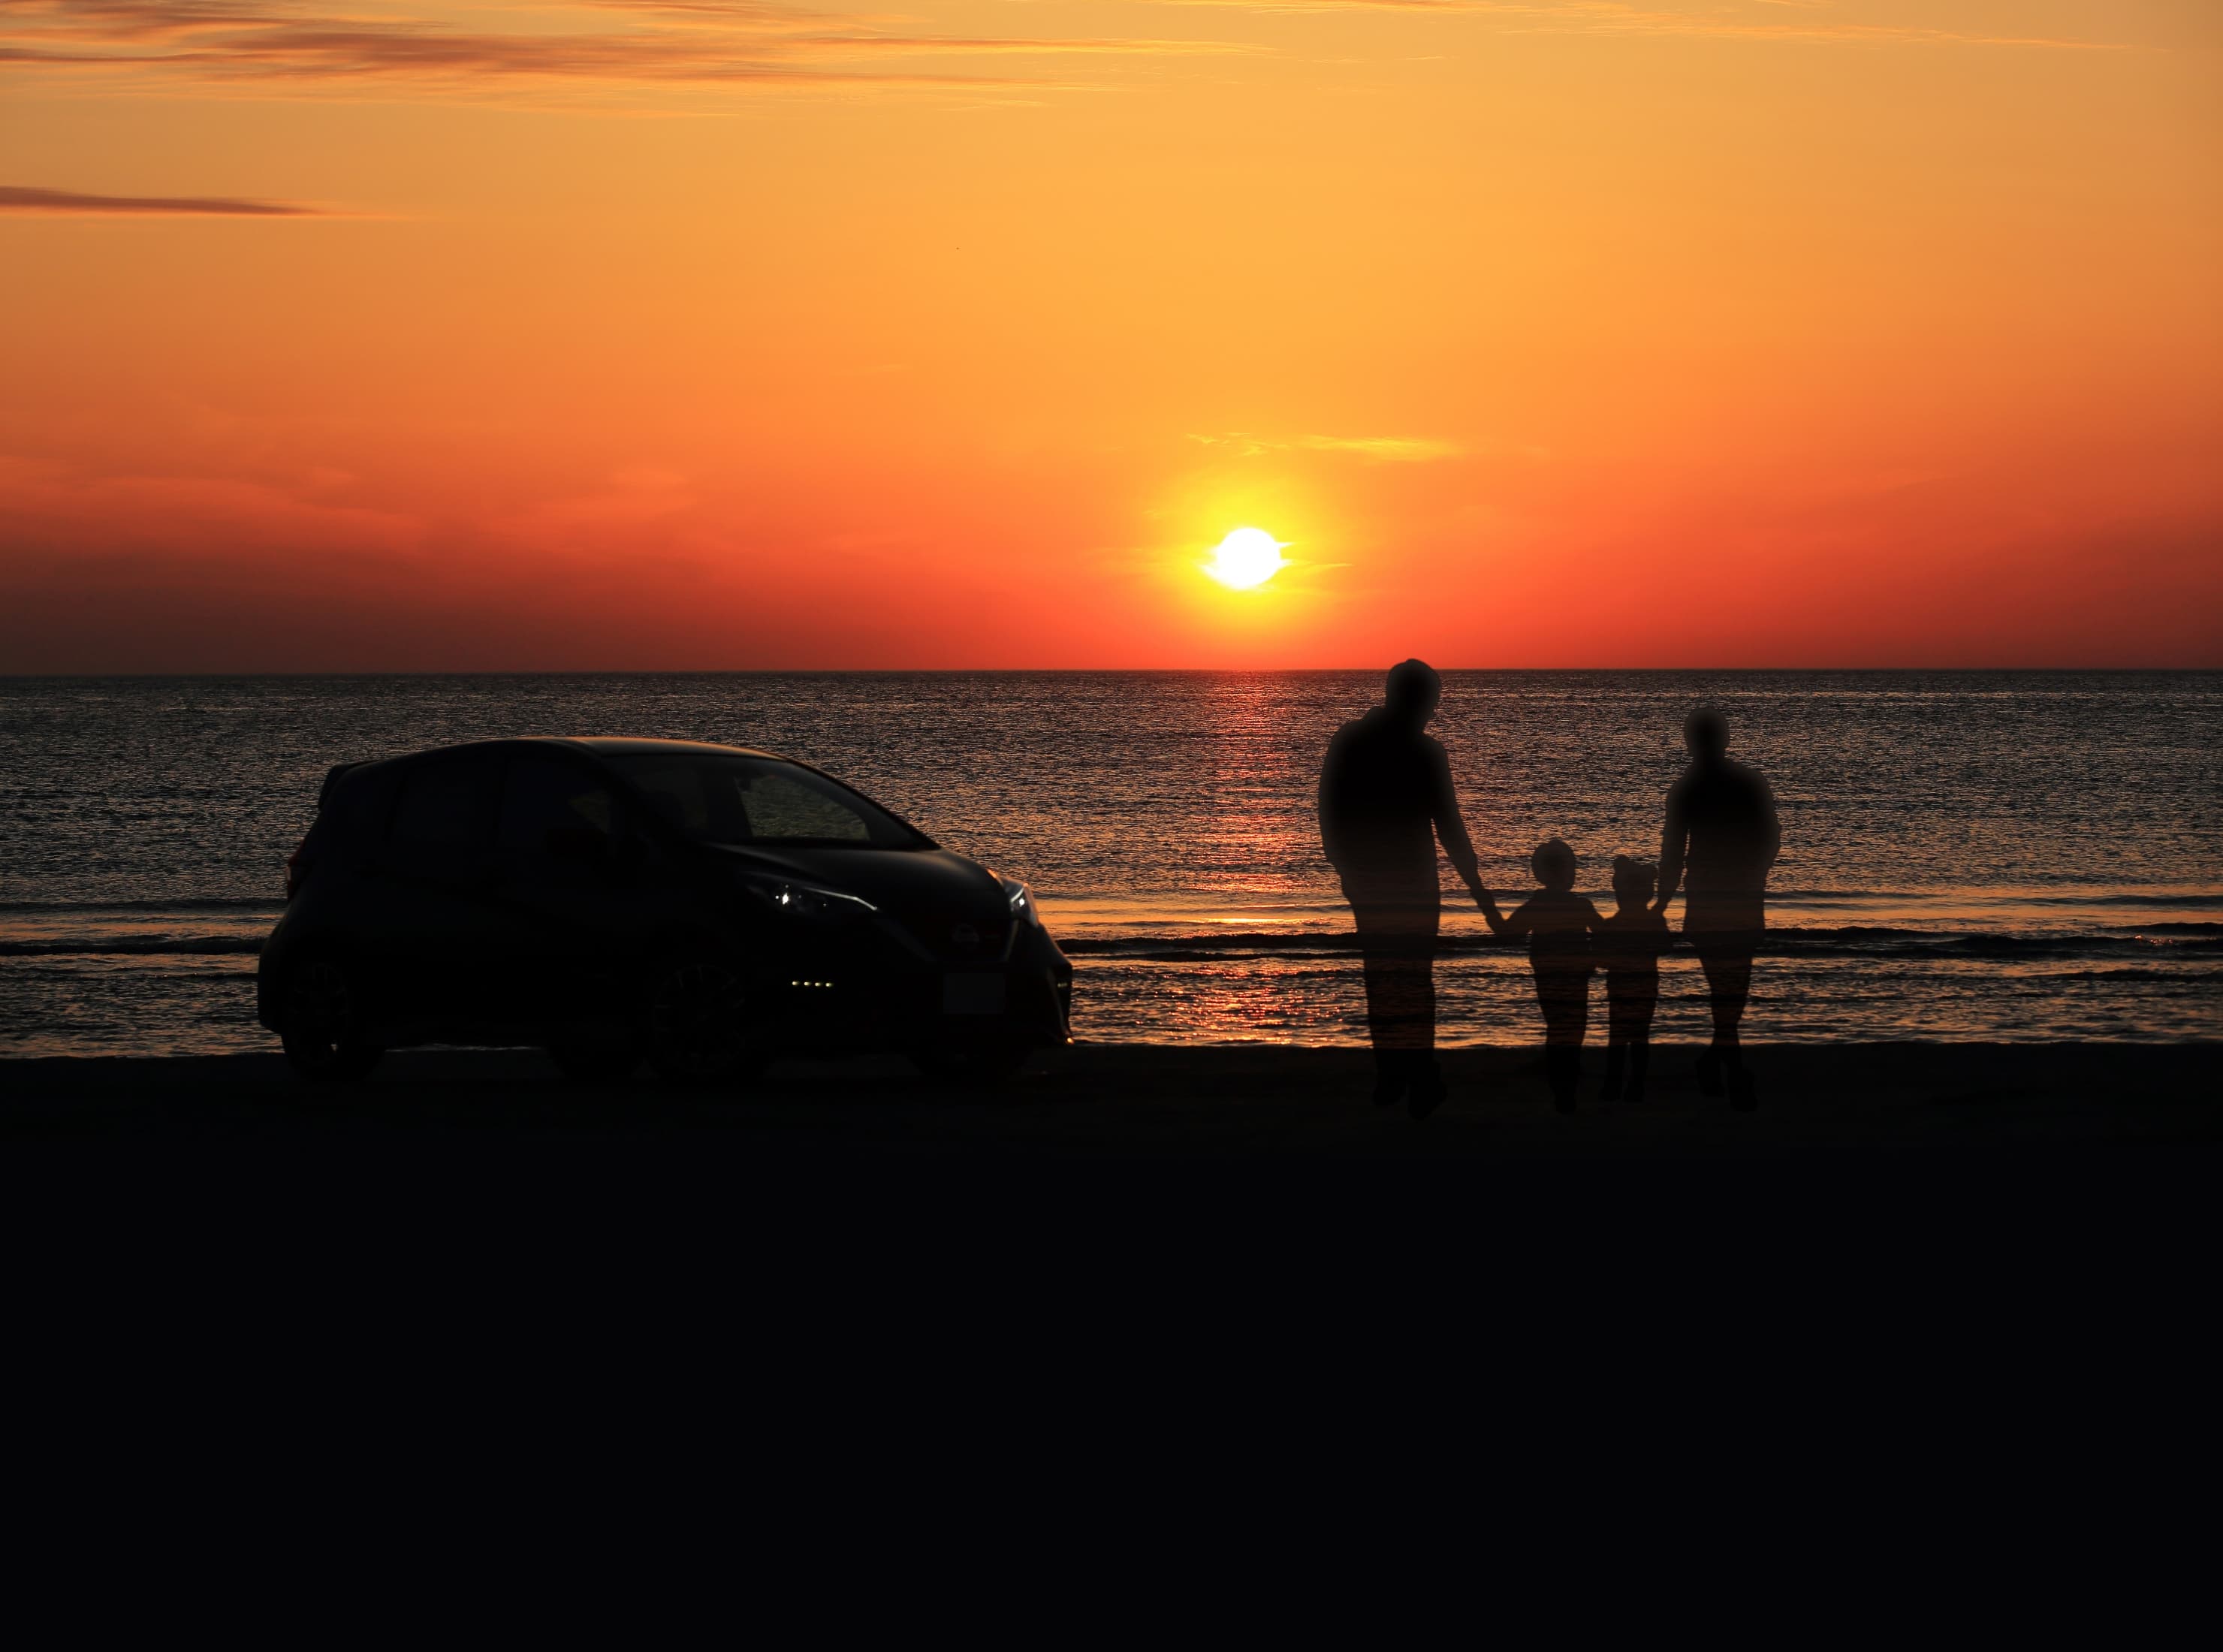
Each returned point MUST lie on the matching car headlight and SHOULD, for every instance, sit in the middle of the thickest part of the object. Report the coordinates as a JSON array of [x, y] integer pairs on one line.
[[806, 903], [1023, 901]]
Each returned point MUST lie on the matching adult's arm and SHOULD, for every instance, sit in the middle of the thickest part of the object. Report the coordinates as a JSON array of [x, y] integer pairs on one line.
[[1771, 828], [1674, 840], [1330, 802], [1451, 827]]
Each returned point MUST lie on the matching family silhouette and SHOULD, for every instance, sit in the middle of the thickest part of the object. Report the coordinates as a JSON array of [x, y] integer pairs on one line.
[[1387, 799]]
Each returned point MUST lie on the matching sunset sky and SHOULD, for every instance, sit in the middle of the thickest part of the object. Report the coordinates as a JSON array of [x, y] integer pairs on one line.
[[392, 334]]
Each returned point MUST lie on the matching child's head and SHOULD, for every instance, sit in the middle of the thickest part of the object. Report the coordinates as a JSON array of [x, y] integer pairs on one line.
[[1553, 862], [1633, 880]]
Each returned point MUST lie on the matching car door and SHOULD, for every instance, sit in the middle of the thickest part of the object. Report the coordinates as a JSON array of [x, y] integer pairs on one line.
[[433, 929], [571, 886]]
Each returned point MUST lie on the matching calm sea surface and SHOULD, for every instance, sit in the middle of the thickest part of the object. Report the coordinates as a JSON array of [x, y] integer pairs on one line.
[[1966, 855]]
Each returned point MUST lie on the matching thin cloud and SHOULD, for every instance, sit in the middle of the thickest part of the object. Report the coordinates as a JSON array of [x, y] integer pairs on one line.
[[706, 42], [1811, 26], [19, 198], [1385, 449]]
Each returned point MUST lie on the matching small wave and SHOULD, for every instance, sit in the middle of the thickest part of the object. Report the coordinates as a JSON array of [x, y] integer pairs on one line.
[[2214, 897], [2149, 977], [1849, 941], [134, 946], [213, 904]]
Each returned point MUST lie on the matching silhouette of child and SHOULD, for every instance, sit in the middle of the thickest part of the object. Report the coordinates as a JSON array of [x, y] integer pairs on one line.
[[1558, 924], [1629, 946]]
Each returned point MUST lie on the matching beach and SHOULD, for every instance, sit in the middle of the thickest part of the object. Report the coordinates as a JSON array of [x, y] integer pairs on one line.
[[2072, 1104]]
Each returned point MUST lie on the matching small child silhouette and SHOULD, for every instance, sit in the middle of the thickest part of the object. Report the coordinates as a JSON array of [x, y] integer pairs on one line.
[[1629, 946], [1559, 924]]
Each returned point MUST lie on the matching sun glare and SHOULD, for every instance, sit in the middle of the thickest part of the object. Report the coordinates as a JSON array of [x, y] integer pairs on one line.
[[1247, 558]]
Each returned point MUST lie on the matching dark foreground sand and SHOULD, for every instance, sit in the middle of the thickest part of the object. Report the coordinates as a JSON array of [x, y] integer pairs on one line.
[[2064, 1102]]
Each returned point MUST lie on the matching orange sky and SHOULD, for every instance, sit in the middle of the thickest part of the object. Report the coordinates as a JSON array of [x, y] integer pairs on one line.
[[717, 333]]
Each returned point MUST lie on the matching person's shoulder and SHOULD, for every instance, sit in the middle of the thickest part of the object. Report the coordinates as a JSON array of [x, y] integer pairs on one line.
[[1746, 779]]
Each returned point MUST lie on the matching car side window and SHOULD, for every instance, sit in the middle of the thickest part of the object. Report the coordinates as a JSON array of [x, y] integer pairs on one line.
[[552, 807], [447, 803], [778, 806], [678, 793]]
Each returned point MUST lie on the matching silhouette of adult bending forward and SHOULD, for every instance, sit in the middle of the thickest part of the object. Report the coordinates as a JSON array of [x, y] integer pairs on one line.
[[1721, 830], [1385, 798]]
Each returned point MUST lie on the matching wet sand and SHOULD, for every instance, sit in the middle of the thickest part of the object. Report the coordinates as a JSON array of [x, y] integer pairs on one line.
[[2065, 1103]]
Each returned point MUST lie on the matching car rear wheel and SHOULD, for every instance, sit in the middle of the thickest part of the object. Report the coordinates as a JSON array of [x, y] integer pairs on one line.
[[698, 1011], [321, 1032]]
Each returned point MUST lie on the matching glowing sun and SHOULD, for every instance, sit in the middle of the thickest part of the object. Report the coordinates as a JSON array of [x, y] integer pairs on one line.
[[1246, 558]]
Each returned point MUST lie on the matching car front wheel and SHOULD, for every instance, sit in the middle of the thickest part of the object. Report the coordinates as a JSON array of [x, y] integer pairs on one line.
[[698, 1011]]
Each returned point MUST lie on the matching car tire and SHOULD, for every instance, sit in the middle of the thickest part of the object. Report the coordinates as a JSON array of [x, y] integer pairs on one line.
[[594, 1065], [322, 1035], [698, 1031]]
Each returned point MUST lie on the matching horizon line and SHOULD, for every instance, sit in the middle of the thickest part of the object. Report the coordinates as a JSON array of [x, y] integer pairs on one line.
[[1102, 671]]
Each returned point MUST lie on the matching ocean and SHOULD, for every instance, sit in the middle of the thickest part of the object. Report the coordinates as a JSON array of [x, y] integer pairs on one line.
[[1967, 855]]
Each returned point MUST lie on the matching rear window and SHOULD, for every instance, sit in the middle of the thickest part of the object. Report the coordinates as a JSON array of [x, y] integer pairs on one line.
[[448, 804]]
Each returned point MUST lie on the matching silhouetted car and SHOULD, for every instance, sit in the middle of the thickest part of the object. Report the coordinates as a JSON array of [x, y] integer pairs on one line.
[[702, 907]]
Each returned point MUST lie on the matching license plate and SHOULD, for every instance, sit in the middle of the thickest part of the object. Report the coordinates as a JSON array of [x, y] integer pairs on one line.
[[972, 995]]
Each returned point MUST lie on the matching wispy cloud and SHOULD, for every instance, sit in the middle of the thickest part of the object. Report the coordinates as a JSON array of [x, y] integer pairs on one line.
[[704, 42], [1386, 450], [18, 198], [1813, 22]]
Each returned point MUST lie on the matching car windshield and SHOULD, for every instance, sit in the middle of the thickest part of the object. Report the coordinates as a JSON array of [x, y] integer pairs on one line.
[[715, 798]]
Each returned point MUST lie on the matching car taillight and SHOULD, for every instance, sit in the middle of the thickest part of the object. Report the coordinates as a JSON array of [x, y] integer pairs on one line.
[[297, 867]]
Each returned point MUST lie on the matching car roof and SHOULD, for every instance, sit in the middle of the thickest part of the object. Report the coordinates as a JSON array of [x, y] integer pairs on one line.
[[593, 746], [607, 745]]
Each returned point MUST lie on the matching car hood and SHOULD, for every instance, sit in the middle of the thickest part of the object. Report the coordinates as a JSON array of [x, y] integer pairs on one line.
[[895, 880]]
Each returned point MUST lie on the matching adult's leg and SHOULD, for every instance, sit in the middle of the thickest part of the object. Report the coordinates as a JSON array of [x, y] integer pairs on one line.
[[1725, 932], [1727, 964], [1397, 946], [1378, 966]]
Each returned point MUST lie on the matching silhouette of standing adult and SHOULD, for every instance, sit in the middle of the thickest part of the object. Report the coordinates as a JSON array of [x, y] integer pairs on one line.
[[1721, 830], [1385, 798]]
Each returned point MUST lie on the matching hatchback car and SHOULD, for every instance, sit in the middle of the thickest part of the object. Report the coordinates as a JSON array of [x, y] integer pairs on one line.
[[703, 907]]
